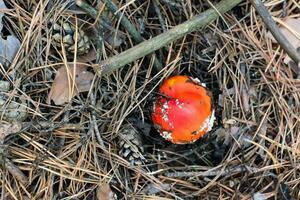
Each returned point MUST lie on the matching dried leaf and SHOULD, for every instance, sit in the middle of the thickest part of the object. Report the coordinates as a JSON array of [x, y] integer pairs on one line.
[[291, 30], [104, 192], [245, 99], [88, 57], [9, 46], [61, 90]]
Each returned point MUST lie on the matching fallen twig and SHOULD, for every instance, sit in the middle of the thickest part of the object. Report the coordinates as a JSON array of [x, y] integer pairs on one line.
[[172, 3], [216, 172], [99, 41], [14, 170], [163, 39], [159, 15], [280, 38], [6, 130], [94, 122]]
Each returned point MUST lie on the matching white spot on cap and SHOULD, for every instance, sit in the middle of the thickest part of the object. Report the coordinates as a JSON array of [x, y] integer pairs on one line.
[[167, 135], [165, 105], [180, 105], [211, 120], [208, 122], [164, 110], [196, 80]]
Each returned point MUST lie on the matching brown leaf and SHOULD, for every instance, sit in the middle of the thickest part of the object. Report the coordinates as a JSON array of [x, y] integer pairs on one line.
[[64, 88], [291, 30], [104, 192], [245, 99], [292, 33], [88, 57]]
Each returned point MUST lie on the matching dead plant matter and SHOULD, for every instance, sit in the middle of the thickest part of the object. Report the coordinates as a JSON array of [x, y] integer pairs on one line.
[[131, 146], [69, 36], [71, 151]]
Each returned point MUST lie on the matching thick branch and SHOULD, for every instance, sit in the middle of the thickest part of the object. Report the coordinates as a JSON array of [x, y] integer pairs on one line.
[[164, 39]]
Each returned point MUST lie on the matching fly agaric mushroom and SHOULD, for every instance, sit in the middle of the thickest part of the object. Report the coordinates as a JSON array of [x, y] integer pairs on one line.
[[183, 112]]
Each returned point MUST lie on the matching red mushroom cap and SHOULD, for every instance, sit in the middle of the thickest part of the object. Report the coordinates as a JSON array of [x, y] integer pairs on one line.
[[183, 112]]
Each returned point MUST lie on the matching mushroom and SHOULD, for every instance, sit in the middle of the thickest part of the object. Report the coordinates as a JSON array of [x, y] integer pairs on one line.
[[183, 112]]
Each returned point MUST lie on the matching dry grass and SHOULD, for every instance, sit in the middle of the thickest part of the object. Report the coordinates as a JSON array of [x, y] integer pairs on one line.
[[68, 151]]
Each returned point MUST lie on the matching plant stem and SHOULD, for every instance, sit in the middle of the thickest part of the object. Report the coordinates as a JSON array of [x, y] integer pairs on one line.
[[151, 45]]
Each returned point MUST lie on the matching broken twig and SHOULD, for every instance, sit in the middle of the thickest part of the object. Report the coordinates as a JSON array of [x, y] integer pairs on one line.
[[163, 39]]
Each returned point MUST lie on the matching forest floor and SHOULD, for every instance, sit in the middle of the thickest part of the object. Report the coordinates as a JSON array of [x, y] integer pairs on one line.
[[85, 134]]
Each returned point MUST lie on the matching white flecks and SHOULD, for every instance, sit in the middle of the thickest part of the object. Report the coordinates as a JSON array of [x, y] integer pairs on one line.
[[196, 80], [211, 120], [171, 125], [165, 114], [193, 141], [165, 117], [208, 122], [164, 111], [180, 105], [167, 135], [204, 125], [165, 105]]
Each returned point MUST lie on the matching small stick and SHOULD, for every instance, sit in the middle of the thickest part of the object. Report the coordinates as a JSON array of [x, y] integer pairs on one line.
[[88, 8], [99, 28], [172, 3], [160, 18], [161, 21], [217, 172], [278, 35], [151, 45], [6, 130], [15, 171], [94, 122]]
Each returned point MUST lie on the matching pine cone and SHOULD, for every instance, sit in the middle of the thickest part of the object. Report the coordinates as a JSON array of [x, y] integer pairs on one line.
[[131, 147], [64, 32], [11, 109]]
